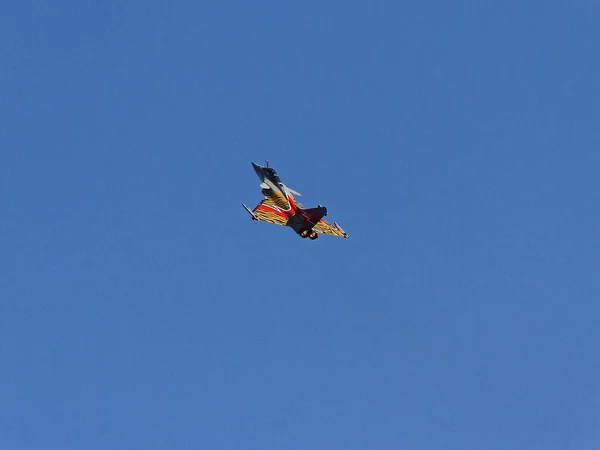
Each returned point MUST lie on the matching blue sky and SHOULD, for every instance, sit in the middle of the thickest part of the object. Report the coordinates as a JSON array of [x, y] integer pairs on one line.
[[456, 142]]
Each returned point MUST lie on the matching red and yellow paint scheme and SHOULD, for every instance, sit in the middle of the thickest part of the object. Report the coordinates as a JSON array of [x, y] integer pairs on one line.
[[280, 207]]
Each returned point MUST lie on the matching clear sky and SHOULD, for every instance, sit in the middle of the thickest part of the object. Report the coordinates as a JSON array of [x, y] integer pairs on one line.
[[456, 142]]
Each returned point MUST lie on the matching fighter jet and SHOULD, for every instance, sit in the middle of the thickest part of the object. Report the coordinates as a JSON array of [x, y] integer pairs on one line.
[[280, 207]]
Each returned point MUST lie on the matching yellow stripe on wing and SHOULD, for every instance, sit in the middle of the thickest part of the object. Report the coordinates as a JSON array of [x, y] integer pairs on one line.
[[269, 216], [325, 227]]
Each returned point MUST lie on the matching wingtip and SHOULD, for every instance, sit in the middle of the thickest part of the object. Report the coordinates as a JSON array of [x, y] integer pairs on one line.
[[250, 212], [337, 225]]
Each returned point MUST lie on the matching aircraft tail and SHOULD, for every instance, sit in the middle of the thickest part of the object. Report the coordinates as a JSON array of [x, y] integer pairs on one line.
[[313, 215]]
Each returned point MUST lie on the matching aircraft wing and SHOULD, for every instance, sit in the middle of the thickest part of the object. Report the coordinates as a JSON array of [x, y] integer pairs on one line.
[[325, 227], [265, 211]]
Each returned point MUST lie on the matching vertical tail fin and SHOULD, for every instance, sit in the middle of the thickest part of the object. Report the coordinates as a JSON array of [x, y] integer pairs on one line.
[[313, 215]]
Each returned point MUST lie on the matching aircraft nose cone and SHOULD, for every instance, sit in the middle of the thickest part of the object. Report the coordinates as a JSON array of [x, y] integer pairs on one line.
[[258, 170]]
